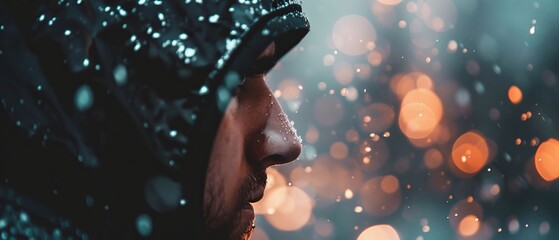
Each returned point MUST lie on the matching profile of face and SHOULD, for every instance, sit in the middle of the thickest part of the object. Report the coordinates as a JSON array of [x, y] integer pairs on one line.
[[254, 134]]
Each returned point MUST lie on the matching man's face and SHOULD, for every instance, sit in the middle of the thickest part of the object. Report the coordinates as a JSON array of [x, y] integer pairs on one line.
[[254, 134]]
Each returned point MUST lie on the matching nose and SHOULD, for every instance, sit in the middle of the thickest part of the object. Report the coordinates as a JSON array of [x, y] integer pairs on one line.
[[274, 139]]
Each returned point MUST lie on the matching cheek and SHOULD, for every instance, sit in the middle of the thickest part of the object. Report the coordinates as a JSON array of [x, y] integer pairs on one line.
[[226, 168]]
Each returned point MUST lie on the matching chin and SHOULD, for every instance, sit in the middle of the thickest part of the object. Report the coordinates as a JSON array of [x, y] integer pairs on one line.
[[227, 226]]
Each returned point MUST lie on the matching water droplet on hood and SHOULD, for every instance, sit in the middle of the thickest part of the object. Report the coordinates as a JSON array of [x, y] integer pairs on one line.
[[83, 98], [213, 18], [120, 74], [144, 225], [189, 52], [173, 133], [265, 32], [203, 90]]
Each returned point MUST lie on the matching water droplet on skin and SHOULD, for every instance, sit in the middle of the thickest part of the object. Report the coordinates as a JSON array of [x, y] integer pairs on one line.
[[144, 225]]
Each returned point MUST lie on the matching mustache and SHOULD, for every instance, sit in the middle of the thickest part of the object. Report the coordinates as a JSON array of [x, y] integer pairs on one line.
[[256, 180]]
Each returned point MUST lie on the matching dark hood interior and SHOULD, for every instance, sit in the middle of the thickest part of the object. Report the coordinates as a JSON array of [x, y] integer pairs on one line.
[[108, 109]]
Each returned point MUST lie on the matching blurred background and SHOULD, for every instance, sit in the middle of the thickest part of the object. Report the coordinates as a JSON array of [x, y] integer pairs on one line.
[[425, 119]]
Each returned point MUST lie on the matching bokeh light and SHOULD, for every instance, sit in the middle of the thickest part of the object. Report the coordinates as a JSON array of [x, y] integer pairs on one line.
[[515, 94], [381, 196], [379, 232], [420, 114], [390, 2], [470, 152], [293, 211], [352, 33], [547, 159], [469, 226], [435, 118]]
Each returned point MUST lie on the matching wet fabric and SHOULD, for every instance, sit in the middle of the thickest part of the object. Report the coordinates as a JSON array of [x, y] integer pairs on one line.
[[108, 109]]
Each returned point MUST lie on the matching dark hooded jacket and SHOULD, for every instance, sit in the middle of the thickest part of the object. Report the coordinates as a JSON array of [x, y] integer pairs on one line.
[[108, 109]]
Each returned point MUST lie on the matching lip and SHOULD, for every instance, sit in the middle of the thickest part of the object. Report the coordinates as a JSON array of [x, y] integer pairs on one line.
[[256, 195]]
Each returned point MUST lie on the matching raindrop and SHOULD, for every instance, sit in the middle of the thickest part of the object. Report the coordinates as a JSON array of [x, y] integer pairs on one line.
[[23, 217], [497, 69], [189, 52], [183, 36], [265, 32], [122, 12], [39, 88], [67, 32], [183, 202], [480, 89], [156, 35], [213, 18], [120, 74], [144, 225], [173, 133], [86, 62], [203, 90], [83, 98]]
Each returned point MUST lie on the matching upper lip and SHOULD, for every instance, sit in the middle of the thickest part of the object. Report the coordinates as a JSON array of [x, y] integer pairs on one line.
[[256, 195]]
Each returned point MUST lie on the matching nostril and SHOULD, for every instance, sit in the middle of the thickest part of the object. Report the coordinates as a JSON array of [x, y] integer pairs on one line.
[[278, 148]]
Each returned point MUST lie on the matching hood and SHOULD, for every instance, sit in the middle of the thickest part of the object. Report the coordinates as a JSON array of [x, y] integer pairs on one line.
[[109, 109]]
